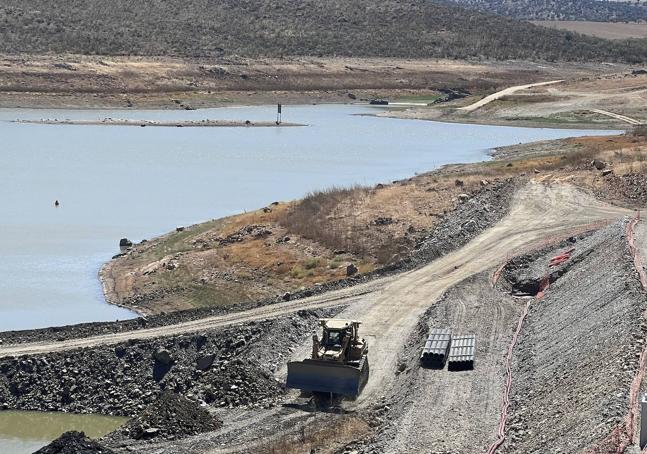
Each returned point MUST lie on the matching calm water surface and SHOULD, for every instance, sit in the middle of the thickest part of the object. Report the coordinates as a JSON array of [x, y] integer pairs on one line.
[[23, 432], [119, 181]]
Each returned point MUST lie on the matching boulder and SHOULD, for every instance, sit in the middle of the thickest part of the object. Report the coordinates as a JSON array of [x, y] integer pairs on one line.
[[205, 362], [462, 198], [125, 242], [470, 225], [600, 165], [351, 270], [163, 356], [151, 432]]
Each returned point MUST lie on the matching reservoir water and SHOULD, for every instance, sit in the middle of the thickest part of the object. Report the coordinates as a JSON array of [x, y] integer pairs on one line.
[[23, 432], [124, 181]]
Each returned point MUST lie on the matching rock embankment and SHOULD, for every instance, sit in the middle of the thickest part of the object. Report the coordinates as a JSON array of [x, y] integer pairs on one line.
[[578, 350], [474, 215], [229, 368]]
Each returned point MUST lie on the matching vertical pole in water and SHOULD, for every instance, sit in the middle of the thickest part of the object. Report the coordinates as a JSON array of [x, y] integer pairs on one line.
[[278, 115], [643, 422]]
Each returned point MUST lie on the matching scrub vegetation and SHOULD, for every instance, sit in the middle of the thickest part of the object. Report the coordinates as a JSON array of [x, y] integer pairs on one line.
[[289, 28]]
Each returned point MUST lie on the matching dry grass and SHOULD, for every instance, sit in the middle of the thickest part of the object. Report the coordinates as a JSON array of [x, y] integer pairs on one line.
[[314, 218]]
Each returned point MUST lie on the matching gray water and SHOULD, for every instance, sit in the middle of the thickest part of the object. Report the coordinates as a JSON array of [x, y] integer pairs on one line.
[[124, 181], [23, 432]]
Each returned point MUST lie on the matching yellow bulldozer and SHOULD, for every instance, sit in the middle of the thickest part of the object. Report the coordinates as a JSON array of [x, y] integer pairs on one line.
[[339, 363]]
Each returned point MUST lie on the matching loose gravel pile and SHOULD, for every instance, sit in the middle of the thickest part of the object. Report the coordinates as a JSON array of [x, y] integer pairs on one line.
[[631, 187], [479, 212], [74, 443], [578, 351], [171, 416]]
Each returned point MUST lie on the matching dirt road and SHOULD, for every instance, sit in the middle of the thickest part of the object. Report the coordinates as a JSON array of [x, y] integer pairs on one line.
[[626, 119], [505, 92]]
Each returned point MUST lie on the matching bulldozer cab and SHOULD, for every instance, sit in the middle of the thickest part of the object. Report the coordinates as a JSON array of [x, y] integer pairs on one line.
[[339, 339]]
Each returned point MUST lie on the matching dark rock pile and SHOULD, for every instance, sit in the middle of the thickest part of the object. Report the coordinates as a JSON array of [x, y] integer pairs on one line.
[[74, 443], [171, 416], [229, 367], [524, 274]]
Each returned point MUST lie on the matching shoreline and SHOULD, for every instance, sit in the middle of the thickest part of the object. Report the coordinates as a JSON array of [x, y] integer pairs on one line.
[[510, 123]]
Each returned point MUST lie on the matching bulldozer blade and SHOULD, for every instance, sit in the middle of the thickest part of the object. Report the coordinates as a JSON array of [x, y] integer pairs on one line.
[[327, 377]]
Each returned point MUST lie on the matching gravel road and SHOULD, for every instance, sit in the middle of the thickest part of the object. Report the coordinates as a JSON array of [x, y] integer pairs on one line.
[[502, 93]]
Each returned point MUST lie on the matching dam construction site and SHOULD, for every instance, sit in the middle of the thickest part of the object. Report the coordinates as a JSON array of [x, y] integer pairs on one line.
[[323, 227], [515, 323]]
